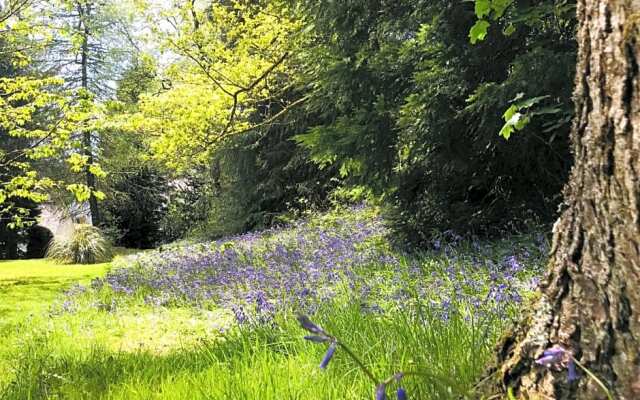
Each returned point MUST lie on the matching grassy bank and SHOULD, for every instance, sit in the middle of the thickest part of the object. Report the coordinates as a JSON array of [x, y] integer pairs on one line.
[[217, 320]]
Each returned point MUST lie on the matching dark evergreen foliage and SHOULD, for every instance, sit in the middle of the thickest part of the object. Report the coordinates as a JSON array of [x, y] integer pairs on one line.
[[39, 239], [261, 177], [136, 206], [413, 110]]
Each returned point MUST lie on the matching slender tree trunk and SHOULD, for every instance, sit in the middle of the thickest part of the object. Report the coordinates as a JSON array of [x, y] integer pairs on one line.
[[590, 302], [84, 11]]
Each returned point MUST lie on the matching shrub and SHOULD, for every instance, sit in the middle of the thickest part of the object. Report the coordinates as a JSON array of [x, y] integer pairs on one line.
[[87, 245]]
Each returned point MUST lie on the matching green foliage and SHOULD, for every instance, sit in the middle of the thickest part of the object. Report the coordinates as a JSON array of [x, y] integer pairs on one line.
[[358, 71], [87, 245], [262, 177], [233, 56], [190, 205], [140, 78], [410, 109], [136, 206], [479, 31], [517, 118]]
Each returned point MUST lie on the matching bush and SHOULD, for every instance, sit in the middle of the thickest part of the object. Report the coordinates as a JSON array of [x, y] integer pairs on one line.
[[87, 245]]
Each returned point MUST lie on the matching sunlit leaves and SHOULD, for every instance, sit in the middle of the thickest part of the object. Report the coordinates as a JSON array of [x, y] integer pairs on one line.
[[40, 121], [81, 192], [479, 31], [487, 10], [227, 59], [520, 113], [482, 8], [181, 122]]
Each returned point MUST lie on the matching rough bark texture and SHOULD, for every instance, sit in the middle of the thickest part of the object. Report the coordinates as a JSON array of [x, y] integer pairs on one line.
[[590, 302]]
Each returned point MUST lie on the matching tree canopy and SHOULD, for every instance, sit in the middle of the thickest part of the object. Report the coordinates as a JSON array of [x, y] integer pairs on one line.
[[277, 107]]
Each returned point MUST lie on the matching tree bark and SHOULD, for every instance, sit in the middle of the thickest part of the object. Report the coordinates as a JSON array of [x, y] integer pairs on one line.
[[590, 301]]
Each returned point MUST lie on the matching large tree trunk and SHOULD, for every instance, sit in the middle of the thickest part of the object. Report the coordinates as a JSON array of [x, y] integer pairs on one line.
[[590, 302]]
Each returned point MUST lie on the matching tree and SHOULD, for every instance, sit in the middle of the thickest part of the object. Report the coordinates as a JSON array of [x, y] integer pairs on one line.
[[590, 301], [409, 109], [136, 188], [36, 118], [48, 57], [91, 45], [230, 57]]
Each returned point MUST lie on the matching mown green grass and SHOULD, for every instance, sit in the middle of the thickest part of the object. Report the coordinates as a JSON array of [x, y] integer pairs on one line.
[[28, 287]]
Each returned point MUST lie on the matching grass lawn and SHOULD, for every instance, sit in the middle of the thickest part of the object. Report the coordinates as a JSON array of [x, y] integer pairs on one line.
[[28, 287], [94, 346]]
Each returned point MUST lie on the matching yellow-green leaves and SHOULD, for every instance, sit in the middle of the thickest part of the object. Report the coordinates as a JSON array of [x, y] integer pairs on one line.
[[479, 31], [47, 117], [487, 10], [514, 120], [228, 60], [482, 8], [83, 193], [41, 121], [520, 113], [77, 162]]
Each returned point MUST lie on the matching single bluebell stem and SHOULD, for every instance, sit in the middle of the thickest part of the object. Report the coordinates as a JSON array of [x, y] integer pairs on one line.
[[357, 361], [594, 377], [308, 325]]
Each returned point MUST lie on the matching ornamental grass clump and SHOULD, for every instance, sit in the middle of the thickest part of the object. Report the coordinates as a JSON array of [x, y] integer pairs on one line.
[[87, 245]]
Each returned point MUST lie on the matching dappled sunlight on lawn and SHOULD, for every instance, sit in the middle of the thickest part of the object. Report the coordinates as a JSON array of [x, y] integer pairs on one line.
[[157, 331]]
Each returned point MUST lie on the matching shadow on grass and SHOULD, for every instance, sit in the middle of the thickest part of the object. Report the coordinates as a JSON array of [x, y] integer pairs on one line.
[[40, 372]]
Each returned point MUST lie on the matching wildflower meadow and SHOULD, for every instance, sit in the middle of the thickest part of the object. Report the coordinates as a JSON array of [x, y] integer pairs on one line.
[[221, 319]]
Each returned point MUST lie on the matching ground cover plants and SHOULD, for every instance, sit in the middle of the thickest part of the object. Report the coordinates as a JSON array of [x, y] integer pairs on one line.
[[218, 320]]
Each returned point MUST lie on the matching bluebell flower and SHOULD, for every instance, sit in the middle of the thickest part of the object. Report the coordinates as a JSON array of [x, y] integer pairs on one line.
[[559, 357], [401, 393], [317, 339], [552, 357], [306, 323], [381, 392], [513, 264], [328, 355]]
